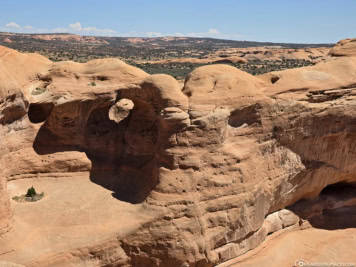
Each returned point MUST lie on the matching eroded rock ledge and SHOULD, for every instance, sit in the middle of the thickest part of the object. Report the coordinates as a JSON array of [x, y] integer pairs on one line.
[[214, 167]]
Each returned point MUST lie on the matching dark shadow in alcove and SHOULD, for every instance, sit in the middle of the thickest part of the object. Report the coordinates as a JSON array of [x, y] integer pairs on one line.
[[130, 177], [247, 116], [38, 113], [47, 143], [132, 181], [329, 218]]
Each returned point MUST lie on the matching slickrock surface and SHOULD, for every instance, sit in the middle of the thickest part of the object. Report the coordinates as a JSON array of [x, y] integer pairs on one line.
[[326, 232], [9, 264], [137, 171], [311, 246], [345, 47]]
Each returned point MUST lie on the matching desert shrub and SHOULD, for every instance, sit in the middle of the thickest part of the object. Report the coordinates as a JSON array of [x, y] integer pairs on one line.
[[30, 196], [38, 91], [31, 192]]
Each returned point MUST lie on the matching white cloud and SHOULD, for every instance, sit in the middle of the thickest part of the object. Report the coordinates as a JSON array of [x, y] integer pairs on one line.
[[154, 34], [99, 31], [210, 33], [13, 25], [77, 28], [60, 30], [178, 34], [213, 31]]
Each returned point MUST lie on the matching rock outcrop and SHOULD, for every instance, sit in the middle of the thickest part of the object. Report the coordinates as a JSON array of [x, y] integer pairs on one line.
[[346, 47], [203, 174], [7, 40]]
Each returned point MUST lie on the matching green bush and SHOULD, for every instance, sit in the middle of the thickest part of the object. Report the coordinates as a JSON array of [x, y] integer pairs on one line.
[[31, 192], [30, 196]]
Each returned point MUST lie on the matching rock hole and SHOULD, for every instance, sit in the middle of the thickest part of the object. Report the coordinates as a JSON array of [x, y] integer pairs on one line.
[[274, 79], [333, 209], [102, 78], [340, 190], [38, 113]]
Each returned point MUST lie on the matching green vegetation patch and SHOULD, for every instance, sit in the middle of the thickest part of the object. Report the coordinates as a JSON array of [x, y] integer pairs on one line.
[[30, 196], [38, 91]]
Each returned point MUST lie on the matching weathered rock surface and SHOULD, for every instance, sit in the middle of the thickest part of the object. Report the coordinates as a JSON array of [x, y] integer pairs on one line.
[[139, 172], [318, 230], [9, 264], [120, 110], [346, 47]]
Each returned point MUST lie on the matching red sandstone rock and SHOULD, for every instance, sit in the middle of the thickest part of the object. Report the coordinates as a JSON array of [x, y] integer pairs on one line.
[[137, 172]]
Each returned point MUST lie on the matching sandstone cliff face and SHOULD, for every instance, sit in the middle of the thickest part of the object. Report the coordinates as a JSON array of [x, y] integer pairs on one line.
[[206, 171]]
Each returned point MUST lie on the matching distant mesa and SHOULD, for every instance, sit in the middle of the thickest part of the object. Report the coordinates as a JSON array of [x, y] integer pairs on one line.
[[69, 38], [7, 40]]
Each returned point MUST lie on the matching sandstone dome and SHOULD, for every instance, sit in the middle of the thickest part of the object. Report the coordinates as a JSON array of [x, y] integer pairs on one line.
[[346, 47], [221, 84]]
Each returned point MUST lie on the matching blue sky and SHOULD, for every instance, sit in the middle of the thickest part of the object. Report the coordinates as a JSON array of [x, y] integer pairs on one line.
[[301, 21]]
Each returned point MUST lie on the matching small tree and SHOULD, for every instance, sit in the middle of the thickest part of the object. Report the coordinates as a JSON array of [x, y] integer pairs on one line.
[[31, 192], [30, 196]]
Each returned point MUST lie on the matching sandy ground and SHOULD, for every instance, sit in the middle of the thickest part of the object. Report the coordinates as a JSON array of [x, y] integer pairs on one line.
[[75, 212], [310, 246]]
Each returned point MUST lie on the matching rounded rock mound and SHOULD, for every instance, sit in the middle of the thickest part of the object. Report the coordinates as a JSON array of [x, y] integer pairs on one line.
[[18, 69], [221, 85], [346, 47]]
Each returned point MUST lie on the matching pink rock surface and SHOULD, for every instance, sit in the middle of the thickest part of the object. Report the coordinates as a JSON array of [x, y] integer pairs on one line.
[[139, 172]]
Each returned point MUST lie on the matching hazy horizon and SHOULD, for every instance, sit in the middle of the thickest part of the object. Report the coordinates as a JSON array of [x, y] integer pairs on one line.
[[146, 37], [273, 21]]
